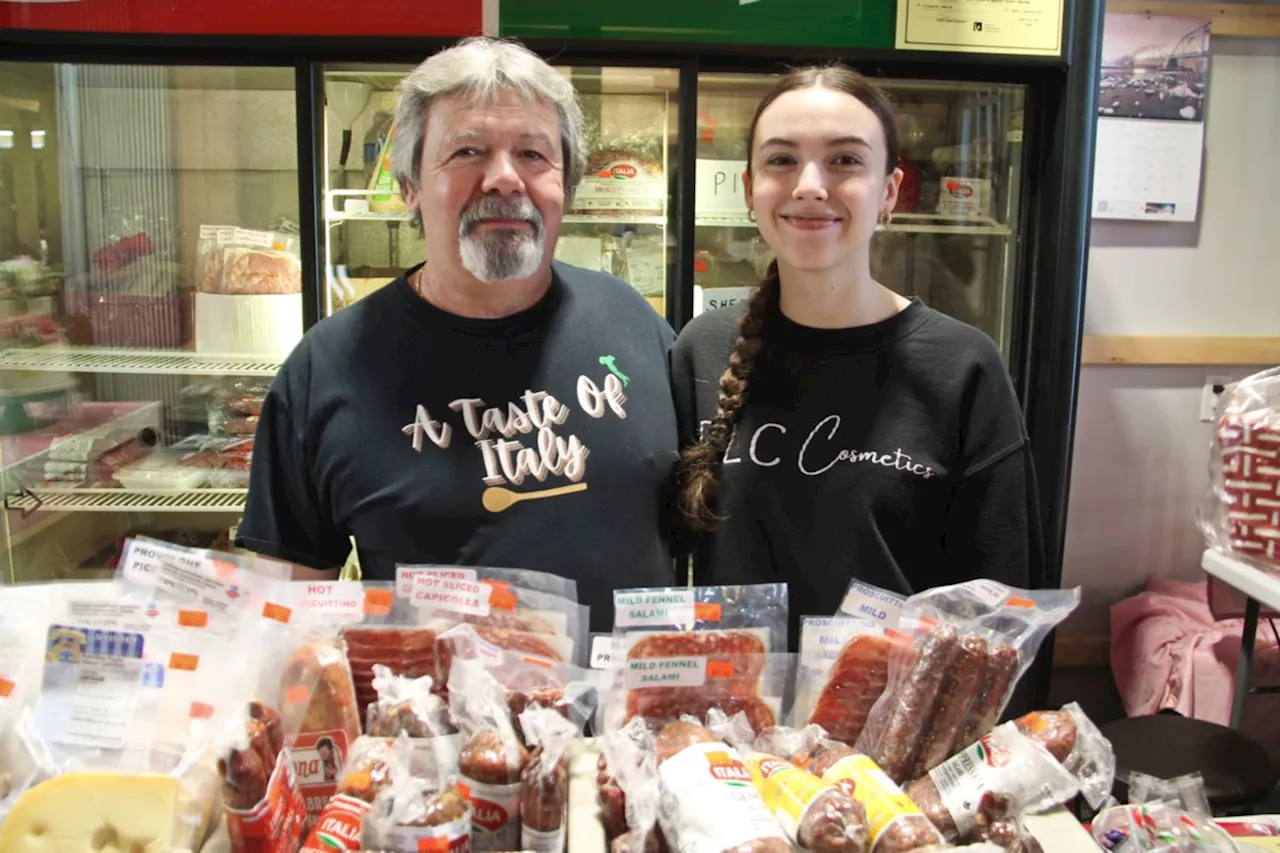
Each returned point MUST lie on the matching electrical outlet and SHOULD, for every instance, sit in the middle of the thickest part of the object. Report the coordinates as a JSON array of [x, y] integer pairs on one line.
[[1214, 385]]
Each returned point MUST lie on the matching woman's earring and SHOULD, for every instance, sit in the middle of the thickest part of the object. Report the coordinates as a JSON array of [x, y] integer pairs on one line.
[[886, 218], [751, 215]]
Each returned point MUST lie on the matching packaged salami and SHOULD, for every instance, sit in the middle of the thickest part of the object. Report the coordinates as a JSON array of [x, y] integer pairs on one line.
[[1078, 745], [971, 643], [816, 815], [1240, 513], [844, 667], [544, 782], [408, 706], [492, 758], [1005, 763], [366, 774], [264, 809], [241, 262], [757, 611], [416, 811], [707, 803]]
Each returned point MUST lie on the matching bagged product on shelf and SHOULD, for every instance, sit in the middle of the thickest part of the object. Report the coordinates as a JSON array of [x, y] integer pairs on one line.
[[1078, 745], [1162, 815], [226, 461], [408, 706], [971, 644], [816, 815], [683, 651], [1240, 513], [235, 407], [1007, 764], [492, 758], [544, 782], [241, 262], [706, 801], [416, 811]]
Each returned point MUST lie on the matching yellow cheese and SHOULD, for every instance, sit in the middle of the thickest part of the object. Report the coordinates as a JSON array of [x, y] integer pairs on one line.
[[93, 813]]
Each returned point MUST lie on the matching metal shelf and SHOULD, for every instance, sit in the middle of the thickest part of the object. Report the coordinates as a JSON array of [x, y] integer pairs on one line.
[[123, 500], [903, 223], [335, 216], [111, 360]]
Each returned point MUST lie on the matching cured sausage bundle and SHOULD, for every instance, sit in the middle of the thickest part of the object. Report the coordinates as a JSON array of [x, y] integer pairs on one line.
[[706, 802], [544, 782], [415, 812], [1005, 763], [1078, 745], [265, 812]]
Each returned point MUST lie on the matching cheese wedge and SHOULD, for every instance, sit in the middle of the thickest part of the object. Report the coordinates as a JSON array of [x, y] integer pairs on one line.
[[98, 812]]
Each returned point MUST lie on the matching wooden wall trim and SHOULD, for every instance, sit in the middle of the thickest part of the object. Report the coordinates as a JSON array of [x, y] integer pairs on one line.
[[1251, 20], [1088, 652], [1178, 349]]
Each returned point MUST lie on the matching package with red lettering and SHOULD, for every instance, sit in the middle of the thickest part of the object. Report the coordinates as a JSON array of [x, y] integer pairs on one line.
[[682, 651], [1240, 514], [367, 773], [416, 811], [492, 757], [264, 809]]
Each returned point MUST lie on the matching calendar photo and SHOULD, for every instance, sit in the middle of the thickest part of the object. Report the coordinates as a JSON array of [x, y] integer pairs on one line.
[[1152, 96]]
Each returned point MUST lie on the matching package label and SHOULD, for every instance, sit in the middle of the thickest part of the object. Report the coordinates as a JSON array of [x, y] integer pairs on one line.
[[709, 789], [92, 680], [654, 609], [451, 837], [542, 841], [989, 592], [885, 802], [877, 605], [821, 639], [406, 574], [317, 763], [340, 828], [601, 651], [495, 815], [341, 601], [185, 576], [454, 595], [666, 672]]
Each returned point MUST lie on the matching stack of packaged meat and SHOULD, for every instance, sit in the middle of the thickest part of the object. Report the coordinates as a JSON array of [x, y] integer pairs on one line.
[[1241, 513]]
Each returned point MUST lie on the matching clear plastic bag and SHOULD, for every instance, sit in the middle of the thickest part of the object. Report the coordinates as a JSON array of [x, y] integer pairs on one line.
[[544, 782], [415, 810], [757, 610], [520, 578], [1162, 815], [241, 262], [1078, 744], [1240, 513], [844, 667]]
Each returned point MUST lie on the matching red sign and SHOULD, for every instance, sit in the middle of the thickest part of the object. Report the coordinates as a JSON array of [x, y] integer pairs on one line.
[[450, 18]]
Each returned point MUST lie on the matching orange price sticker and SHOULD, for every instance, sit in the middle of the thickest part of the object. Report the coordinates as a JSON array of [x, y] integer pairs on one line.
[[224, 570], [439, 844], [502, 585], [298, 694], [193, 618], [895, 634], [1035, 721], [501, 599], [464, 789], [719, 669], [377, 602], [6, 688], [200, 711], [1019, 601], [708, 612], [183, 662], [278, 612], [541, 662]]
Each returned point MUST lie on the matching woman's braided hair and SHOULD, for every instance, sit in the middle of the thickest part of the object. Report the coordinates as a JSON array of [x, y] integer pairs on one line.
[[700, 463]]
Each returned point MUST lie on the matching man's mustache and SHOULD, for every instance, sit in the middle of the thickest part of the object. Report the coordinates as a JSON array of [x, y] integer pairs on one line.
[[493, 207]]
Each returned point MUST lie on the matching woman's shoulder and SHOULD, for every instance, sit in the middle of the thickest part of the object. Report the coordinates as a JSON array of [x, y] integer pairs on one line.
[[967, 347]]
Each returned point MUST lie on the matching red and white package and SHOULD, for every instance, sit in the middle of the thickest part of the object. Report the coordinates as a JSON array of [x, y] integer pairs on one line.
[[1241, 513], [264, 809]]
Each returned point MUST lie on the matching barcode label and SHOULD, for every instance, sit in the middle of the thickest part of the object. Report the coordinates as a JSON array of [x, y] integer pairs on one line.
[[960, 784]]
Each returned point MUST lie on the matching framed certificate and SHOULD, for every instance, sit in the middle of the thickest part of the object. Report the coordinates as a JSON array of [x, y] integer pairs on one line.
[[1018, 27]]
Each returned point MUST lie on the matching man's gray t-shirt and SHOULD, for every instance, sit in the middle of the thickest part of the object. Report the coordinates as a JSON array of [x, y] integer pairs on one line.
[[434, 438]]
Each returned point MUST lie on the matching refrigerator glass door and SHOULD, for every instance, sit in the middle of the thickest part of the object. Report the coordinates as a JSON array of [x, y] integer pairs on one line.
[[952, 237], [150, 287], [616, 221]]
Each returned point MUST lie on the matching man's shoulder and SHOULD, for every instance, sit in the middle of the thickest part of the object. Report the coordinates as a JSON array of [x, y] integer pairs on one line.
[[336, 336]]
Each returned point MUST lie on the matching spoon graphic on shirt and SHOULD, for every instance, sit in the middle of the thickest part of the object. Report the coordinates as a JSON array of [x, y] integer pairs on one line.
[[496, 498]]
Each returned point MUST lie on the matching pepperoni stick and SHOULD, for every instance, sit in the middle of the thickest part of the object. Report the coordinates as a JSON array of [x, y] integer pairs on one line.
[[957, 698], [1002, 669], [914, 703]]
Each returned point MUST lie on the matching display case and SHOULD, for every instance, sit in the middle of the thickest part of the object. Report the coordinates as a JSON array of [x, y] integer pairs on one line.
[[617, 221], [951, 240], [150, 287]]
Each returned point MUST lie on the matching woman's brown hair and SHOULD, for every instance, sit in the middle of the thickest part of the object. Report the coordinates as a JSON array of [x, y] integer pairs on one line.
[[700, 463]]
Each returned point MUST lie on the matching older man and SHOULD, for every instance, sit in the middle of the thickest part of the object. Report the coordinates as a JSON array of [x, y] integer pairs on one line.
[[492, 406]]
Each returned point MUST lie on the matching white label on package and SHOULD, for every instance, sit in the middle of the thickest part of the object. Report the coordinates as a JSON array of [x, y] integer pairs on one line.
[[439, 592], [822, 639], [341, 601], [495, 815], [666, 672], [653, 609], [708, 792], [187, 577], [602, 652], [110, 615], [406, 574], [868, 602], [988, 592]]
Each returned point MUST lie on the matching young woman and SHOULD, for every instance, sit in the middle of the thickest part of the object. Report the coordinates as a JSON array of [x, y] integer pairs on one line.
[[833, 429]]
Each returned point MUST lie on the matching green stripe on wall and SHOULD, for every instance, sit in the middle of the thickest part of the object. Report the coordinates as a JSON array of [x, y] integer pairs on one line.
[[811, 23]]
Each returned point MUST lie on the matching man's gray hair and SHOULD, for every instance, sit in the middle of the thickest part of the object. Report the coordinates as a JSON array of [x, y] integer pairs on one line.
[[481, 68]]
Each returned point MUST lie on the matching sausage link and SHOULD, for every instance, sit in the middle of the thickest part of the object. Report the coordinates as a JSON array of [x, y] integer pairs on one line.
[[963, 687], [544, 794], [1056, 731], [914, 702], [1002, 669], [678, 735], [924, 793], [833, 823], [489, 759]]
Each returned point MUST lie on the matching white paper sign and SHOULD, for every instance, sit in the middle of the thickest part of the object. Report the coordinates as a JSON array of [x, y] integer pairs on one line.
[[455, 595], [342, 601], [406, 574], [187, 577], [666, 672], [655, 609], [822, 639], [602, 652], [711, 298], [720, 192], [877, 605]]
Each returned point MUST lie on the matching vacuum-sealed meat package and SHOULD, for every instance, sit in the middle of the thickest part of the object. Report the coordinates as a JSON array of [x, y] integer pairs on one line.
[[263, 806], [416, 811], [844, 667], [707, 803], [1078, 745], [544, 782]]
